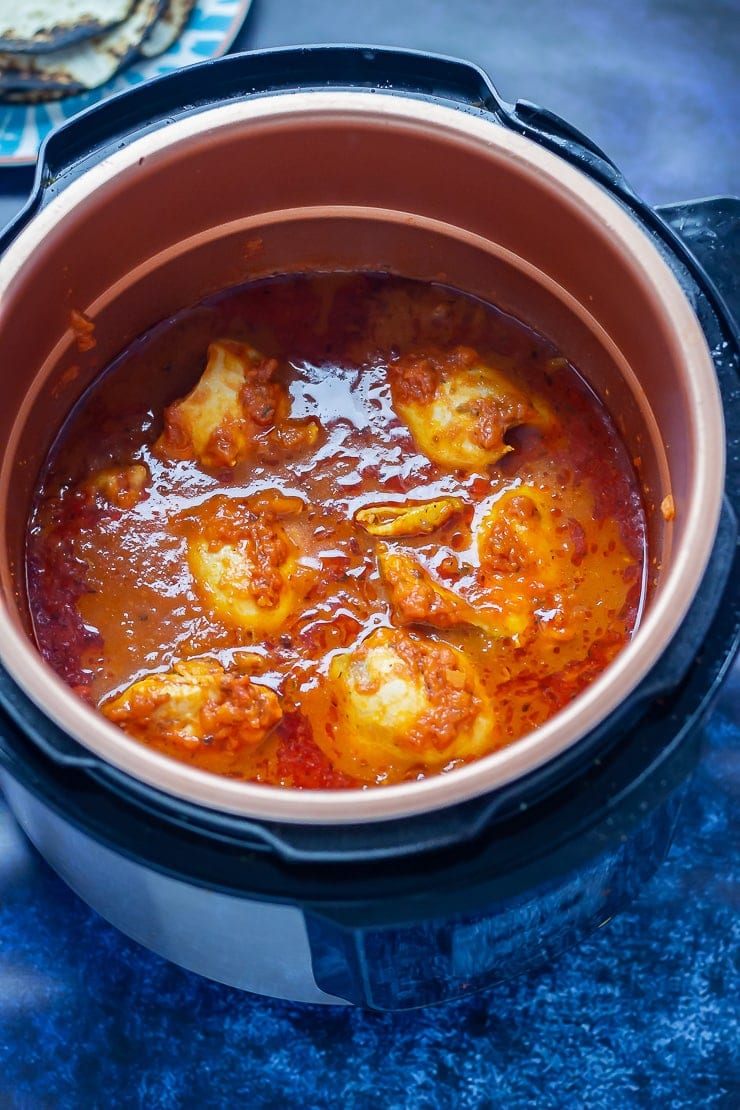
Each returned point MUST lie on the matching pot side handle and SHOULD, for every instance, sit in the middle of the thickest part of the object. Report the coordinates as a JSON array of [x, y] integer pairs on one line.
[[710, 229]]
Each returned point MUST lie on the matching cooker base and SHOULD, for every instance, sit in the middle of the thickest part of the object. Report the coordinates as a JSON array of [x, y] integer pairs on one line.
[[282, 951]]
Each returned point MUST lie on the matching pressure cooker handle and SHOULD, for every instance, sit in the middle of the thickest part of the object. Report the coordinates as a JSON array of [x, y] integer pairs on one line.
[[550, 130], [710, 229]]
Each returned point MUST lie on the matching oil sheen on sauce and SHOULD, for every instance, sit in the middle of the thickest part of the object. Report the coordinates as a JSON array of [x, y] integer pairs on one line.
[[358, 595]]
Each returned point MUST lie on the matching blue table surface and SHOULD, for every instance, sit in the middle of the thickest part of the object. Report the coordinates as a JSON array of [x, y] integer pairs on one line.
[[643, 1014]]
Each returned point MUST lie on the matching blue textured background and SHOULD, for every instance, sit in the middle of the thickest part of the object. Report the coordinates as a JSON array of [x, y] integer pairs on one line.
[[644, 1014]]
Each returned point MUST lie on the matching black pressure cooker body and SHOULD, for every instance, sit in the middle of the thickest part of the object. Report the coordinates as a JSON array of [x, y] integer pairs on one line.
[[417, 909]]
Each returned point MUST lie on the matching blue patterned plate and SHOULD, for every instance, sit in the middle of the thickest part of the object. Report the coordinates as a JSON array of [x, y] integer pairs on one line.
[[210, 31]]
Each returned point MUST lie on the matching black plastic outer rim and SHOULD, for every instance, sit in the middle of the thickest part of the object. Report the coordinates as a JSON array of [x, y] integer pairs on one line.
[[70, 150]]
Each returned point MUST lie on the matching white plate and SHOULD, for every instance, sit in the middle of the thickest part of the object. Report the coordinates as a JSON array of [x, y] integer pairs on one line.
[[210, 31]]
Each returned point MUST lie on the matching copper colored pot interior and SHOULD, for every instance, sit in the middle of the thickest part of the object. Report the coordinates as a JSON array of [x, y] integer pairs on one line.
[[326, 181]]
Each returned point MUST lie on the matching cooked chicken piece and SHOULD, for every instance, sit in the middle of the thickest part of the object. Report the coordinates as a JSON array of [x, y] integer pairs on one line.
[[234, 401], [417, 599], [245, 566], [457, 408], [409, 518], [525, 534], [195, 705], [120, 487], [293, 437], [405, 704], [532, 553]]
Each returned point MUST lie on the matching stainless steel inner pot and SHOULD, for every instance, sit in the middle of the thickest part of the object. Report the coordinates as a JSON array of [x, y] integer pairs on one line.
[[374, 181]]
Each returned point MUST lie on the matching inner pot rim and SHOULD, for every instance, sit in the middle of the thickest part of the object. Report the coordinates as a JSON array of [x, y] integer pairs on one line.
[[592, 706]]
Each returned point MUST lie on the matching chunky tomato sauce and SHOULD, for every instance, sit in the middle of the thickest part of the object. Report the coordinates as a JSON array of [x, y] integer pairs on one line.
[[332, 531]]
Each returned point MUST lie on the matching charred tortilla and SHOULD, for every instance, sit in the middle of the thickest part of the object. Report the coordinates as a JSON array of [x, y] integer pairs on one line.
[[168, 28], [83, 66], [44, 25]]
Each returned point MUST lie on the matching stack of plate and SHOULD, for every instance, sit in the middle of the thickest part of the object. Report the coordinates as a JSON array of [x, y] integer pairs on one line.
[[60, 56], [54, 48]]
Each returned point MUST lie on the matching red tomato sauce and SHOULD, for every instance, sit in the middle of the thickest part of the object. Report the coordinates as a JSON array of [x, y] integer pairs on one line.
[[130, 572]]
